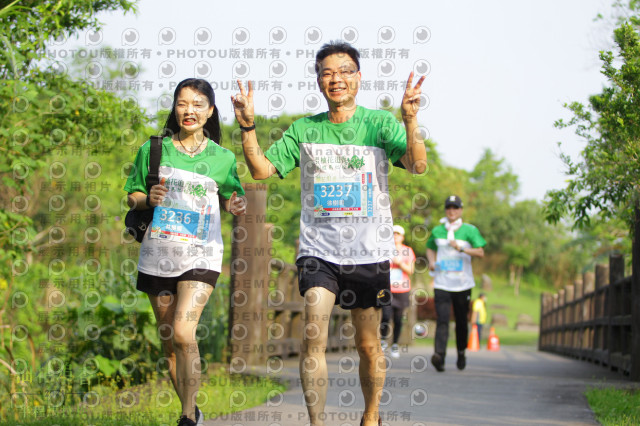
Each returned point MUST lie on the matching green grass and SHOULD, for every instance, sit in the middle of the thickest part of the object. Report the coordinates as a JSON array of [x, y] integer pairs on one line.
[[501, 299], [154, 403], [510, 337], [502, 295], [615, 406]]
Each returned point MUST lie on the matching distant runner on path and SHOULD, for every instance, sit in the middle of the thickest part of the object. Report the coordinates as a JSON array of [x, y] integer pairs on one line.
[[479, 313], [449, 251], [402, 267]]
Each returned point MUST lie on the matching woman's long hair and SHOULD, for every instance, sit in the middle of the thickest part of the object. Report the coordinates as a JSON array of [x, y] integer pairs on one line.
[[211, 128]]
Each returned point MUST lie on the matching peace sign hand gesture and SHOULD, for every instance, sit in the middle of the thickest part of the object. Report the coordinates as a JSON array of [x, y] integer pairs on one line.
[[243, 105], [411, 98]]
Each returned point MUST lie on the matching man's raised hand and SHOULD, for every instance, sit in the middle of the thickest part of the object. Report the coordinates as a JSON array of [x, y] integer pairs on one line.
[[411, 97], [243, 105]]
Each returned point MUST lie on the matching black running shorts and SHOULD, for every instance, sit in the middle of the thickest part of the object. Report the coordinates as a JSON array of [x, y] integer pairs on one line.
[[355, 286]]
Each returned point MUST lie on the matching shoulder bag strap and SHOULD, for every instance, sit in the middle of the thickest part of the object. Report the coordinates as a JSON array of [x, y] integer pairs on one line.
[[155, 154]]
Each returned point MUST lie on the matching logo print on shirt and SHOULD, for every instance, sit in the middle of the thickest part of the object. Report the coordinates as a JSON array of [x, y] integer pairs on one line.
[[353, 163], [196, 190]]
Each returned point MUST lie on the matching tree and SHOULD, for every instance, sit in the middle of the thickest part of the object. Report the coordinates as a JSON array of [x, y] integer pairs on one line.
[[605, 179], [27, 25], [522, 239], [44, 112], [492, 187]]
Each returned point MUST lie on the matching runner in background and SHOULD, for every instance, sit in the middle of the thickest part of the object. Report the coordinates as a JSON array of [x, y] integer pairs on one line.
[[449, 250], [181, 253], [479, 313], [402, 266]]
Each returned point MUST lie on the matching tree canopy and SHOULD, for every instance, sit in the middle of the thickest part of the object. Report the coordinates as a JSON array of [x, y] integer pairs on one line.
[[604, 180], [43, 110]]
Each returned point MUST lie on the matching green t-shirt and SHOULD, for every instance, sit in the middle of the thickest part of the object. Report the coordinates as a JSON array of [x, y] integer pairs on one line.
[[467, 232], [215, 162], [453, 269], [346, 214], [185, 232]]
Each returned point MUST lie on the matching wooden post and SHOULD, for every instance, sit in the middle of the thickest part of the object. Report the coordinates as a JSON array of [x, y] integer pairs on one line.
[[602, 279], [569, 317], [616, 268], [616, 273], [569, 292], [602, 276], [555, 340], [250, 259], [562, 318], [588, 282], [635, 299], [579, 293], [544, 322], [548, 303]]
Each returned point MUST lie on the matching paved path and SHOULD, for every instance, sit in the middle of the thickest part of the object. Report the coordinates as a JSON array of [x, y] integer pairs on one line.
[[517, 385]]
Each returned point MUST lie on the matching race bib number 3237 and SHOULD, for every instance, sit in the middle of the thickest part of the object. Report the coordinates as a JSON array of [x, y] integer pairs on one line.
[[343, 196]]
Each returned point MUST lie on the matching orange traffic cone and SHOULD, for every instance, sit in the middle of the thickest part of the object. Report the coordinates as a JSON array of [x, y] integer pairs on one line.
[[493, 343], [474, 342]]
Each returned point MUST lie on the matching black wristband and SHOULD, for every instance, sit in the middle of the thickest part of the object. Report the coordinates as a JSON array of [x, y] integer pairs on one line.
[[148, 200], [249, 128]]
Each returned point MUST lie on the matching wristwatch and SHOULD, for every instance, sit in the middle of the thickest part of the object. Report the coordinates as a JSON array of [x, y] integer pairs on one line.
[[248, 128], [461, 250]]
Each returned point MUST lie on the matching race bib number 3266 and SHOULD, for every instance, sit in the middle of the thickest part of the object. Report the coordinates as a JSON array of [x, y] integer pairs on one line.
[[182, 225]]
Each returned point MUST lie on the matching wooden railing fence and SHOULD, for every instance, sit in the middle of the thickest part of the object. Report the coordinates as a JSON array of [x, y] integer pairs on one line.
[[594, 320]]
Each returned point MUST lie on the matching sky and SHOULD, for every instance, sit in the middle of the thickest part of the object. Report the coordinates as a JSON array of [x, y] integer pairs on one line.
[[498, 72]]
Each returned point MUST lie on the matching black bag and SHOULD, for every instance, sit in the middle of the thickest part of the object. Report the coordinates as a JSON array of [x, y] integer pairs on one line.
[[137, 221]]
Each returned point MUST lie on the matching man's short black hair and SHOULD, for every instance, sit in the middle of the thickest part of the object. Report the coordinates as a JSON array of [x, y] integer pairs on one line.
[[334, 47]]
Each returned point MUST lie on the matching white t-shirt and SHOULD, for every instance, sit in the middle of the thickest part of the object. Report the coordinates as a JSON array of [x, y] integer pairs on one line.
[[185, 232], [346, 210]]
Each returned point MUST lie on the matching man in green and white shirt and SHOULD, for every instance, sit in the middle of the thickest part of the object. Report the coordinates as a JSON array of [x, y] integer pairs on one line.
[[346, 227], [345, 215], [449, 250]]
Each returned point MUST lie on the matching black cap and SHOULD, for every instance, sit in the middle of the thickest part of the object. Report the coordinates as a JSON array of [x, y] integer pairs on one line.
[[453, 200]]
